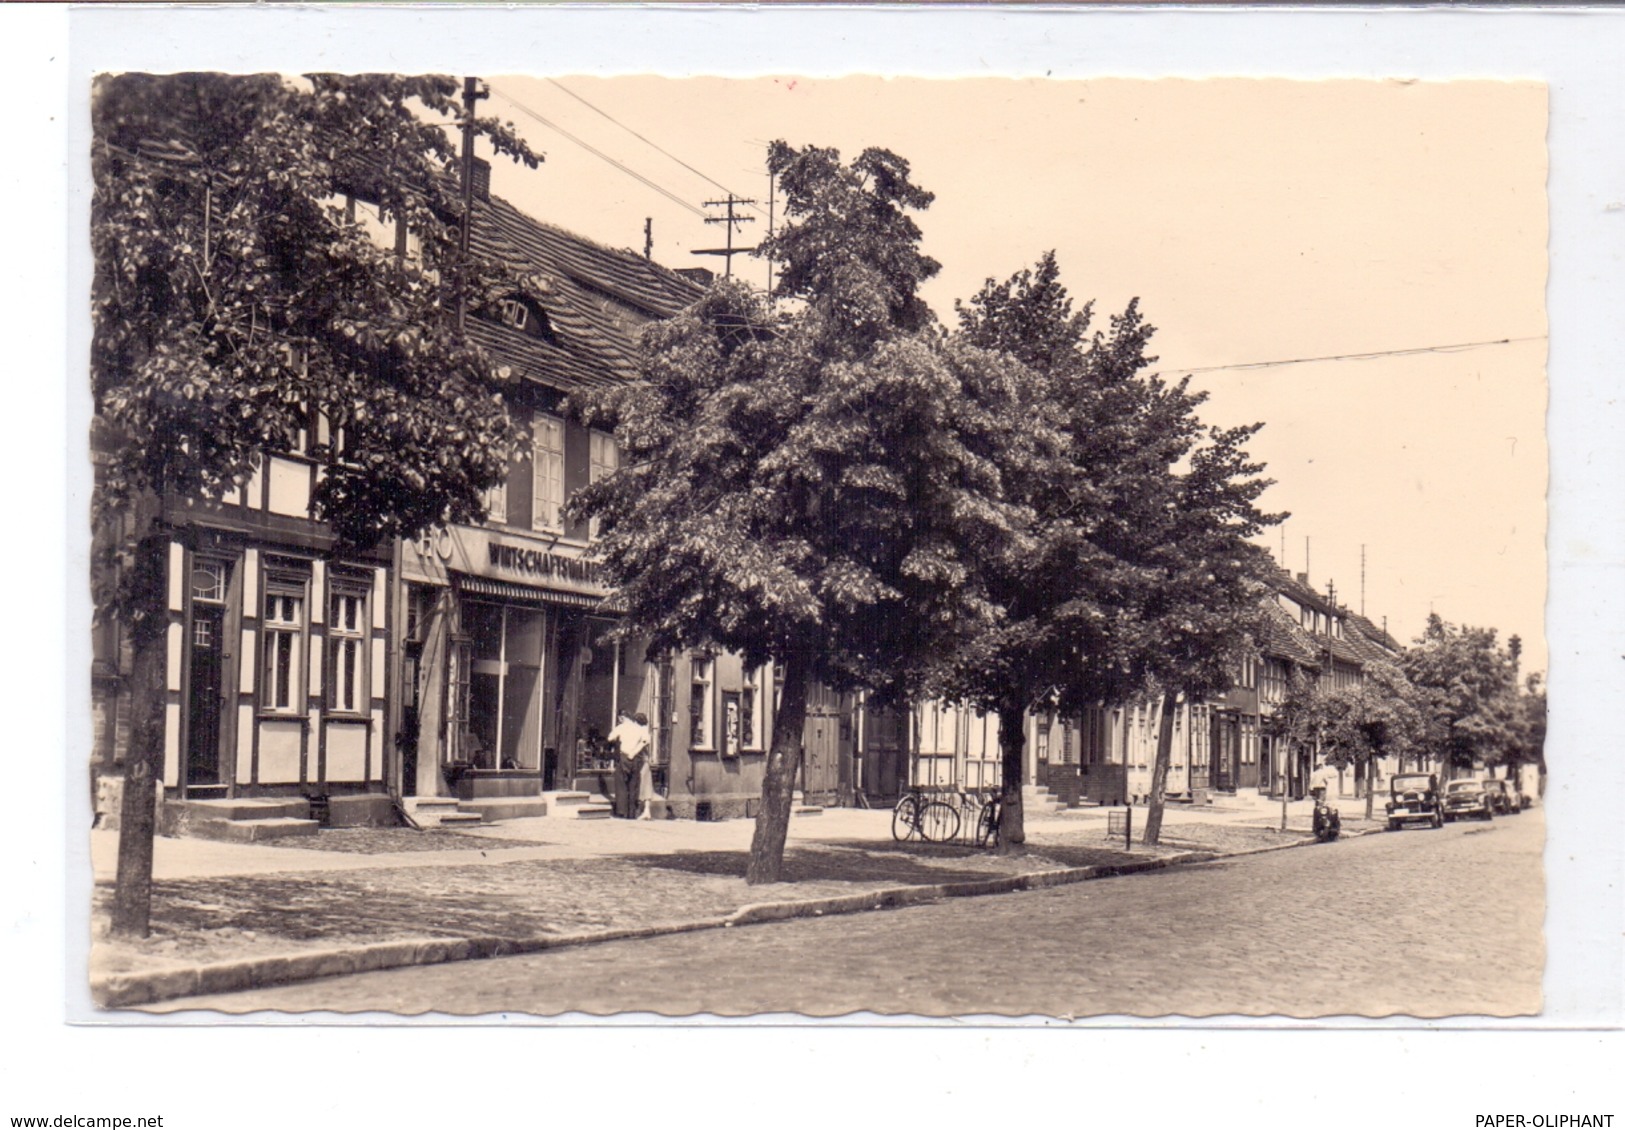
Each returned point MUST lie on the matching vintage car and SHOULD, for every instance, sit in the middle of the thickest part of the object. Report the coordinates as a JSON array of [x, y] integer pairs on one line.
[[1504, 796], [1467, 798], [1414, 799]]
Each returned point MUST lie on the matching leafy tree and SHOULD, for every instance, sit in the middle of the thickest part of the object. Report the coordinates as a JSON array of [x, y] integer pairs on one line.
[[1299, 718], [1468, 684], [1381, 716], [1529, 730], [1136, 576], [233, 301], [811, 487]]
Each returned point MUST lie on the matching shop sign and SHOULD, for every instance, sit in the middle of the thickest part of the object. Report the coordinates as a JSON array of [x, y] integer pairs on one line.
[[481, 553]]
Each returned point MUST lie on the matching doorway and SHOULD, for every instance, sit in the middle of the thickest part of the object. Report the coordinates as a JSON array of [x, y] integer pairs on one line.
[[204, 672]]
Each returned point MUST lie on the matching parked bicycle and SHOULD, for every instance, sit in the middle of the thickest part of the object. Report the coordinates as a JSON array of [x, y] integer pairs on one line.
[[987, 822], [926, 818]]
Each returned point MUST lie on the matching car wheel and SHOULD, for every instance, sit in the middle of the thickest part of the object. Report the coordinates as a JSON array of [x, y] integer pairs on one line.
[[1393, 825]]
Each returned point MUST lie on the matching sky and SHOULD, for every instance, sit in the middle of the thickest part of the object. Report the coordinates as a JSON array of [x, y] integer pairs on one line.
[[1255, 220]]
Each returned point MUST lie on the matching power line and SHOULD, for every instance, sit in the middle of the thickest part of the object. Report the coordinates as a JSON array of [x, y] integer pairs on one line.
[[600, 154], [1415, 350], [645, 140]]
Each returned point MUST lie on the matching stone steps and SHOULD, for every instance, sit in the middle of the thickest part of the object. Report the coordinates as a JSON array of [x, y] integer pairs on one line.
[[1037, 800], [439, 812], [244, 821], [251, 831], [579, 805]]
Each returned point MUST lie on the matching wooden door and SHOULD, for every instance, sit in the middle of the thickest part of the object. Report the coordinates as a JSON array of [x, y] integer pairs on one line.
[[820, 741], [203, 696]]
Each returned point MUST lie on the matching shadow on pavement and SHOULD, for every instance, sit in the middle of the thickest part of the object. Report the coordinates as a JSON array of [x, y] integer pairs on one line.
[[812, 865]]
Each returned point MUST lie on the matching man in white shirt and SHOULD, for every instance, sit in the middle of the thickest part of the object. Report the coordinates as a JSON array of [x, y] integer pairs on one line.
[[1321, 781], [631, 739]]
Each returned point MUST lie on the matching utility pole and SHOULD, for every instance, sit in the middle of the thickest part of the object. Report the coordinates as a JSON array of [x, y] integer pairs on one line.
[[1362, 580], [772, 197], [648, 237], [731, 219], [471, 96]]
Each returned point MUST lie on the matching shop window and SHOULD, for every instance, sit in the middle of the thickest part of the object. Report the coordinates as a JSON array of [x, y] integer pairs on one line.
[[500, 715], [602, 460], [347, 650], [700, 708], [282, 686], [547, 449]]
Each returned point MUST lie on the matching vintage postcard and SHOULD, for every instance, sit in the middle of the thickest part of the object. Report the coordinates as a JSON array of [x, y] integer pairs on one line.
[[957, 536], [601, 738]]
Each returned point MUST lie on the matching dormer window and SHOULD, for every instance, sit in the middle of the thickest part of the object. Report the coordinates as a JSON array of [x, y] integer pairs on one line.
[[514, 313], [529, 320]]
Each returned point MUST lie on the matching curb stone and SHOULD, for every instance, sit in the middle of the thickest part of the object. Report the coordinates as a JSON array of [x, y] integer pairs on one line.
[[132, 988]]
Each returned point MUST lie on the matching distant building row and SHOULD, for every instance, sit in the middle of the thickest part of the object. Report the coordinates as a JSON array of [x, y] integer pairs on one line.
[[476, 663]]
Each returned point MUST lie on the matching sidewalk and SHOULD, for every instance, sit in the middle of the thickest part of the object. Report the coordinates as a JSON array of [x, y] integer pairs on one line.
[[376, 898]]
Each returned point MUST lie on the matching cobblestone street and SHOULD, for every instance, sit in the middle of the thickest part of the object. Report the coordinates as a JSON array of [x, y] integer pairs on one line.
[[1420, 923]]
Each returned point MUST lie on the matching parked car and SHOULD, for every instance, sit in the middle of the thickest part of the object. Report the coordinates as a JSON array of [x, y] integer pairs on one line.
[[1414, 798], [1504, 796], [1467, 798]]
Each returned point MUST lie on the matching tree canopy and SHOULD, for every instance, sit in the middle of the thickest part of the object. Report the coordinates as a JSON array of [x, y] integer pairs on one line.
[[235, 299], [816, 485], [1469, 684], [1136, 575]]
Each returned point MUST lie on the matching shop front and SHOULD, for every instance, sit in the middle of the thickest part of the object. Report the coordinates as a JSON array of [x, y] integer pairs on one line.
[[511, 675]]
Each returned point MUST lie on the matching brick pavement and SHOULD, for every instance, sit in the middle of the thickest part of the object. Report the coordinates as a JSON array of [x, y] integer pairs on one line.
[[1422, 923], [548, 877]]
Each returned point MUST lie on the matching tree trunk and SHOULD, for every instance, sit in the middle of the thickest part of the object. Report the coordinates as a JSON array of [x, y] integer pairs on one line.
[[144, 758], [779, 778], [1012, 743], [1159, 769], [1370, 784]]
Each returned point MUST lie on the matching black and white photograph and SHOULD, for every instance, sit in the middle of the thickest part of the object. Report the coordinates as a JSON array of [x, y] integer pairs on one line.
[[477, 587], [1038, 544]]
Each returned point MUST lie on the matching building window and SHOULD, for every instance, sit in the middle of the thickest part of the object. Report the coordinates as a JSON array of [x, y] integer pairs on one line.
[[700, 710], [548, 468], [602, 460], [750, 710], [514, 313], [209, 581], [496, 503], [346, 650], [284, 683]]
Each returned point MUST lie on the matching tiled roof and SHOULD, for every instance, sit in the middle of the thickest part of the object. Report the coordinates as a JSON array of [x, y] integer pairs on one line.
[[1285, 639], [1376, 637], [595, 299]]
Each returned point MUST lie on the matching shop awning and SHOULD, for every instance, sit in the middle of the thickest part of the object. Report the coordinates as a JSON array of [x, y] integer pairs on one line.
[[525, 594]]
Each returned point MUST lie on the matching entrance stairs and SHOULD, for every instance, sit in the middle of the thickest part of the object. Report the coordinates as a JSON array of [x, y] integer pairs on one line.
[[800, 807], [579, 805], [439, 812], [245, 821], [1037, 800]]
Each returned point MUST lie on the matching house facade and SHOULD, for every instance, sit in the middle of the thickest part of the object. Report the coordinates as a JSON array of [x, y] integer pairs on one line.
[[475, 662]]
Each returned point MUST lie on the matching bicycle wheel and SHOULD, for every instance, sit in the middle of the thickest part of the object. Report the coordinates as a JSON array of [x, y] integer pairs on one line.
[[987, 826], [939, 822], [905, 818]]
